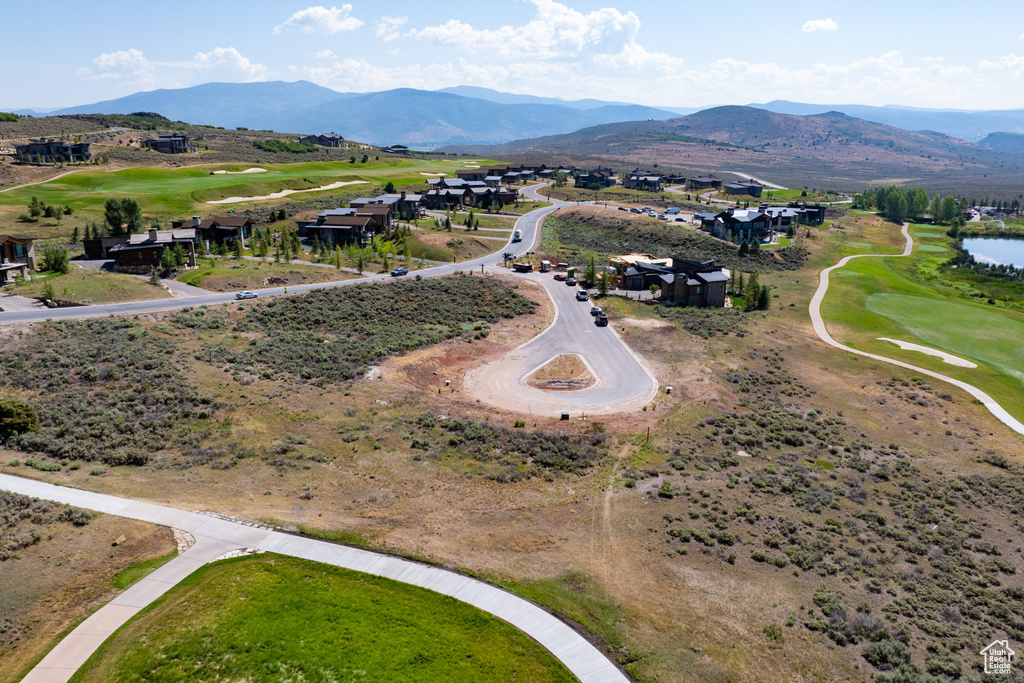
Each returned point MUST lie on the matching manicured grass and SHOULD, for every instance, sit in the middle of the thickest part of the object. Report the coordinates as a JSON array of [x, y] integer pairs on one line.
[[931, 247], [166, 193], [974, 332], [229, 275], [126, 578], [280, 618], [93, 287], [903, 299]]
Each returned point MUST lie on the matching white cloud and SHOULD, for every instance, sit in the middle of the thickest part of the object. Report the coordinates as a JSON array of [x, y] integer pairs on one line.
[[387, 27], [555, 31], [325, 54], [229, 64], [123, 64], [319, 19], [819, 25]]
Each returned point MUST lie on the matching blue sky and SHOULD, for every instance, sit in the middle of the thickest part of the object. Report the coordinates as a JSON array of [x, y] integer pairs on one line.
[[656, 52]]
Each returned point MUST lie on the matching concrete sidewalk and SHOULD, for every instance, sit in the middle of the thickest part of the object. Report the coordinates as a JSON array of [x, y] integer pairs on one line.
[[215, 537]]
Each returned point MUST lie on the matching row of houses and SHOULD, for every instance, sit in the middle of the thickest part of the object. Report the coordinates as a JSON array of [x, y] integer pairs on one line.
[[139, 252]]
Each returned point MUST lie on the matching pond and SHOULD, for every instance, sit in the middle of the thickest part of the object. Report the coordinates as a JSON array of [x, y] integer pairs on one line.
[[998, 250]]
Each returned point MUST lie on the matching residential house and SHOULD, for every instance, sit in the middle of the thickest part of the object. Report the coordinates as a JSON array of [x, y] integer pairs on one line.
[[169, 144], [46, 151], [643, 180], [324, 140], [743, 224], [683, 282], [674, 179], [336, 229], [144, 251], [443, 199], [752, 188], [620, 264], [17, 258], [704, 183], [599, 179], [379, 214], [813, 214], [219, 230], [395, 149]]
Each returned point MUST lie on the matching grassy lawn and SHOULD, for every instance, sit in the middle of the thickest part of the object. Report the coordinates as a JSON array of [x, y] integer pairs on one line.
[[272, 617], [128, 577], [229, 275], [166, 193], [905, 299], [93, 287]]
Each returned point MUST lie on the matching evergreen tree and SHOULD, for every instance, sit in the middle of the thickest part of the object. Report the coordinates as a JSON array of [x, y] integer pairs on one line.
[[238, 250], [74, 235], [281, 215], [744, 248], [112, 217], [763, 299], [741, 288]]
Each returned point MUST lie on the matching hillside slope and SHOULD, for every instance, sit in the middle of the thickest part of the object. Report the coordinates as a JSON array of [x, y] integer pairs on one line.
[[1009, 142], [826, 150]]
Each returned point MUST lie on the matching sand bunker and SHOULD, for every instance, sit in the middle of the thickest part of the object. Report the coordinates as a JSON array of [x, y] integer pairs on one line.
[[946, 357], [285, 193], [567, 372], [433, 175], [248, 170]]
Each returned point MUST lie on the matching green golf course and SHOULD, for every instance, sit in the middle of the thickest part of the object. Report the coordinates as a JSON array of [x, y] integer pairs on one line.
[[166, 193], [906, 299]]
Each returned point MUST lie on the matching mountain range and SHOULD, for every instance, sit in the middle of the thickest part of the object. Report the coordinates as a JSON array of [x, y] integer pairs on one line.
[[416, 118], [473, 115]]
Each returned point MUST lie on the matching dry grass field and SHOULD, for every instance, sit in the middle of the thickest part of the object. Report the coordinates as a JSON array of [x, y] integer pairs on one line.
[[788, 513]]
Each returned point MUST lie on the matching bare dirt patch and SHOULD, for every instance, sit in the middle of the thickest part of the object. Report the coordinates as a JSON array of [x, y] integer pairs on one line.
[[566, 372]]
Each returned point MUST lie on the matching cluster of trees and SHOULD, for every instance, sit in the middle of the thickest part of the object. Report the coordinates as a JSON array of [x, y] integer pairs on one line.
[[56, 259], [122, 216], [911, 203], [757, 295], [37, 209], [175, 258], [8, 116]]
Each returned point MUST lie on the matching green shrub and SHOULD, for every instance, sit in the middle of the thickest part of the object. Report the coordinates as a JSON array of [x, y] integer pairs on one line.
[[887, 654], [17, 417]]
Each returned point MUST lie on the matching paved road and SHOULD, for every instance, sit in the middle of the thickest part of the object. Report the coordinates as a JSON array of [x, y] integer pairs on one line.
[[215, 537], [822, 332]]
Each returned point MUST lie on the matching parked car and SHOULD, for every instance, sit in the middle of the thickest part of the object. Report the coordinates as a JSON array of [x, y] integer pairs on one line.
[[560, 276], [398, 272], [571, 281], [595, 310], [635, 210], [582, 295], [602, 320], [508, 256], [622, 208], [245, 295]]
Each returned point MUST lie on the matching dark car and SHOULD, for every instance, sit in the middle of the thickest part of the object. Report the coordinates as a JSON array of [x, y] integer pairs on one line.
[[508, 256], [602, 320], [398, 272], [582, 296]]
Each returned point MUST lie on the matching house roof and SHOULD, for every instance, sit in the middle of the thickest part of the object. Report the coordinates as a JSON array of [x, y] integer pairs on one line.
[[17, 240], [226, 222], [341, 211], [374, 210], [163, 237], [343, 221]]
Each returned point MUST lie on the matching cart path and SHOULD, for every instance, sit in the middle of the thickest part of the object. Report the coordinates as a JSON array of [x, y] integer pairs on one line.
[[819, 328], [215, 537]]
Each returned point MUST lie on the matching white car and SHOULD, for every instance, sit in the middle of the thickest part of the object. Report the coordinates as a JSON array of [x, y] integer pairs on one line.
[[245, 295]]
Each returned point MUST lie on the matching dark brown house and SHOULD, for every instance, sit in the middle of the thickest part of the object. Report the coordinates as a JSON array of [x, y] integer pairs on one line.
[[17, 258], [682, 282], [599, 179], [324, 140], [169, 144], [223, 229], [45, 151], [704, 183], [337, 229], [142, 252], [752, 188]]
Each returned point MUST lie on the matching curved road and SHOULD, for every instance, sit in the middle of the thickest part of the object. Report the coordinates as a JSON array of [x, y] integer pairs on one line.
[[216, 537], [819, 329], [623, 382]]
